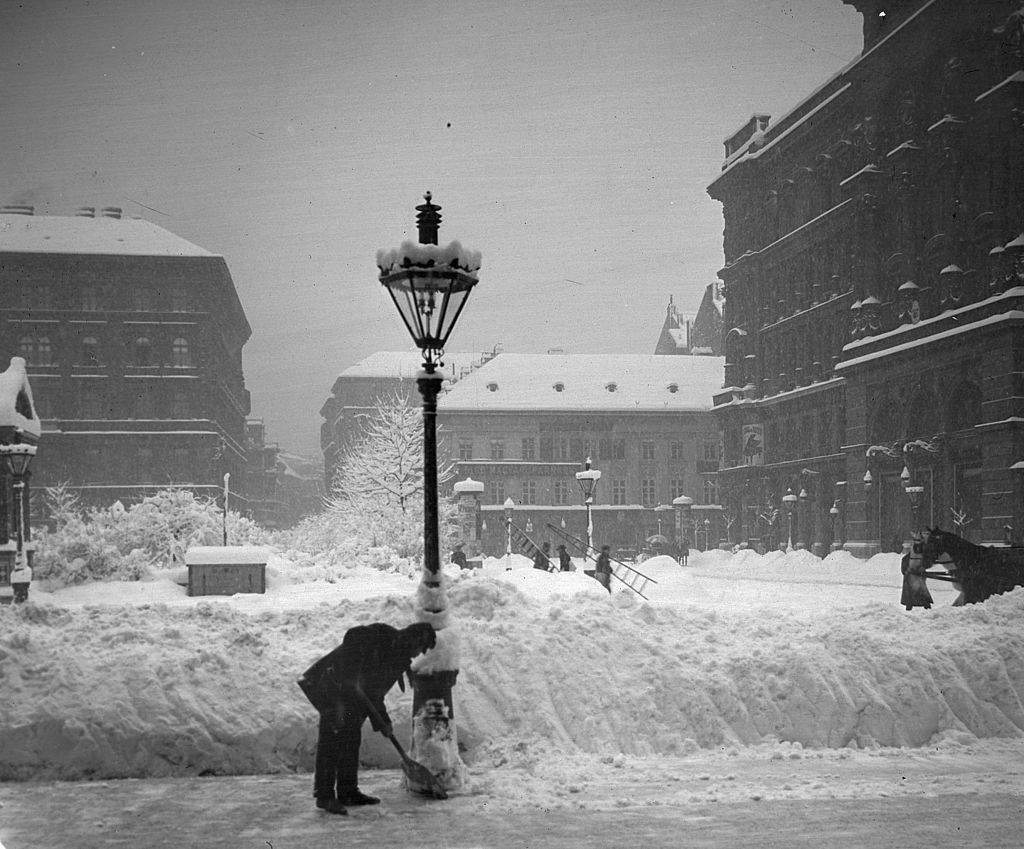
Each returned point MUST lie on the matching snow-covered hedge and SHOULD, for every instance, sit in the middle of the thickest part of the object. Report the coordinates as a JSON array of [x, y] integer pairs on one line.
[[125, 543]]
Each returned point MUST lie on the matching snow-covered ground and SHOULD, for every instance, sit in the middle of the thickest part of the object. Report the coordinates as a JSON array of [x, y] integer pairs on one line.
[[784, 656]]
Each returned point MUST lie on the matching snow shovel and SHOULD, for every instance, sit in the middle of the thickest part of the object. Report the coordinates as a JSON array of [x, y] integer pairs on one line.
[[414, 771]]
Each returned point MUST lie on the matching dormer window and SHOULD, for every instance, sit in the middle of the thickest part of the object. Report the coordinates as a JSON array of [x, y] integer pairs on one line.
[[611, 387], [492, 387], [673, 387], [559, 387]]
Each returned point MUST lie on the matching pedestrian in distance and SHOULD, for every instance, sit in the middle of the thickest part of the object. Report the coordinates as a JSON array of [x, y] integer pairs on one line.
[[459, 556], [564, 560], [542, 559], [21, 578], [603, 569], [684, 551], [347, 686], [915, 585]]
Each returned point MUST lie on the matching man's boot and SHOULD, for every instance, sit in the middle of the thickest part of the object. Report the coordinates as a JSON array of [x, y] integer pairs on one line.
[[331, 805], [354, 797]]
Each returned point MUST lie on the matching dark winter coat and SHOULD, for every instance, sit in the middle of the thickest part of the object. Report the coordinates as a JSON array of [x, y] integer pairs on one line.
[[915, 585], [459, 558], [540, 561], [358, 674], [604, 563], [564, 560]]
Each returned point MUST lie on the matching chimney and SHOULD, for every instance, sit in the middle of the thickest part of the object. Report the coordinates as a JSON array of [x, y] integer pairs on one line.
[[17, 209], [86, 211], [111, 212]]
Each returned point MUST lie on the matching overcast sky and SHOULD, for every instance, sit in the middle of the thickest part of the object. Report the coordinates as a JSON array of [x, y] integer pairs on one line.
[[570, 142]]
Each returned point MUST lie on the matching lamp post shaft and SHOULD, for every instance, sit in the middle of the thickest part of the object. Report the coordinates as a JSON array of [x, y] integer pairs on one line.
[[429, 386]]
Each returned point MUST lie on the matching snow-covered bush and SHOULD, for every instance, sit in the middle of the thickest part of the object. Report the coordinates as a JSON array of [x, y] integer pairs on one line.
[[119, 543]]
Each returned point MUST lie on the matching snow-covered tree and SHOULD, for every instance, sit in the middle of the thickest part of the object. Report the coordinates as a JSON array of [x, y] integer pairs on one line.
[[378, 490]]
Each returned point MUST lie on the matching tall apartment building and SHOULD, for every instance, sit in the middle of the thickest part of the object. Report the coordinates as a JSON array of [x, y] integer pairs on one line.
[[133, 339], [874, 302]]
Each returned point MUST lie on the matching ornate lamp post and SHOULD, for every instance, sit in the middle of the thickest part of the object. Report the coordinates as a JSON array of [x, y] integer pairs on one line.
[[833, 513], [789, 502], [587, 480], [430, 286], [707, 534], [16, 460]]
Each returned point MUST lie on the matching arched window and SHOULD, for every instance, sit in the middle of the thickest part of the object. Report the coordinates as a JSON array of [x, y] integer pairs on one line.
[[90, 351], [142, 351], [710, 491], [44, 351], [180, 356]]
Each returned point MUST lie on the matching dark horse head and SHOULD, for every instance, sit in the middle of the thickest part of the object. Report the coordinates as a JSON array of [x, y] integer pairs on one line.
[[979, 571]]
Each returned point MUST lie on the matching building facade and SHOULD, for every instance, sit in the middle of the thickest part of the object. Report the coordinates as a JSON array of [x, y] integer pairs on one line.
[[133, 339], [359, 388], [699, 334], [874, 359], [524, 424]]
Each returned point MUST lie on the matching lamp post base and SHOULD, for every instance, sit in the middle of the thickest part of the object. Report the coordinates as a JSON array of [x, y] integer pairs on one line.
[[435, 742]]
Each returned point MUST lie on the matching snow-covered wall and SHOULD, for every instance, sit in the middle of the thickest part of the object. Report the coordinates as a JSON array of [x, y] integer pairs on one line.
[[209, 688]]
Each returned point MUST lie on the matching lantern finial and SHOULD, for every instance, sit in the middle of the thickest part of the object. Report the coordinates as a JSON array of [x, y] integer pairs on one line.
[[428, 220]]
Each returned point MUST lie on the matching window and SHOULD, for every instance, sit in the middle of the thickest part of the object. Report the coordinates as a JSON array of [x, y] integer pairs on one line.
[[180, 356], [178, 298], [465, 450], [710, 492], [604, 449], [619, 449], [547, 448], [563, 492], [529, 492], [711, 452], [676, 450], [618, 491], [27, 348], [91, 405], [646, 450], [143, 405], [44, 405], [181, 405], [142, 352], [559, 387], [90, 351], [496, 492], [648, 492], [181, 464], [140, 298], [497, 449], [529, 448], [89, 298], [677, 487], [561, 445], [44, 351]]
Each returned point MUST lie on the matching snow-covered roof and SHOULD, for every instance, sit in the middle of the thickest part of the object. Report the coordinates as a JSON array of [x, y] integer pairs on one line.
[[649, 382], [57, 234], [407, 364], [13, 382], [225, 554]]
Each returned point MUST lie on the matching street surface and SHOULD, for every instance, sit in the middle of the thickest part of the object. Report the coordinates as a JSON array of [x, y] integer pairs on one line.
[[897, 798]]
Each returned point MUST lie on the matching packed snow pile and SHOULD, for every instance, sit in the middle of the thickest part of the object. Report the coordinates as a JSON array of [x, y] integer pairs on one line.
[[113, 679]]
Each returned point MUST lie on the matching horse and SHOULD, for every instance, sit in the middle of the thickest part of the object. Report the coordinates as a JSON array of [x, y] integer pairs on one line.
[[978, 571]]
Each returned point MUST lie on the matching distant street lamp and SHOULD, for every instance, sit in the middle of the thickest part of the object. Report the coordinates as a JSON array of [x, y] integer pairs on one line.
[[227, 477], [833, 514], [587, 480], [430, 286], [659, 511], [789, 502], [915, 494], [509, 506], [707, 534]]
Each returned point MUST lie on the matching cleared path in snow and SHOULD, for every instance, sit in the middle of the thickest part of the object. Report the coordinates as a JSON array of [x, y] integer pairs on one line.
[[957, 798]]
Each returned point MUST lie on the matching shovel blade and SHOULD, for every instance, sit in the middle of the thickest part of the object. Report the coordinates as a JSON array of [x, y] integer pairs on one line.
[[422, 776]]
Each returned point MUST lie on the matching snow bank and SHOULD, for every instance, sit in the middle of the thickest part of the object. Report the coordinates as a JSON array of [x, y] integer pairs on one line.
[[732, 653]]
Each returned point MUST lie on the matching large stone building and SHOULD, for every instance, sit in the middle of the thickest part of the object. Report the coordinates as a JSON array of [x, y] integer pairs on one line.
[[874, 300], [524, 424], [133, 338], [697, 334]]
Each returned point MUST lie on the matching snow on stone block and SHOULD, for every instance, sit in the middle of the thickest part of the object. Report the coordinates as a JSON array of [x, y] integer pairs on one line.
[[226, 570], [16, 407]]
